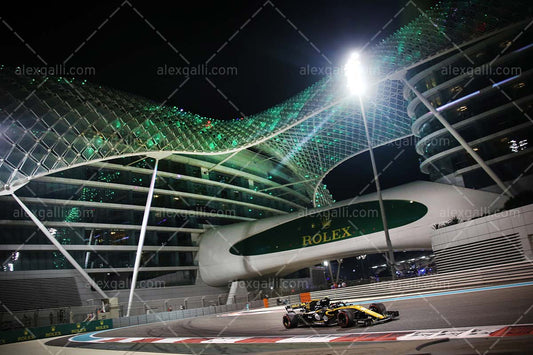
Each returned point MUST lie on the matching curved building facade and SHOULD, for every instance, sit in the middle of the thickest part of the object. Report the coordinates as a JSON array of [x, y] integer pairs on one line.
[[95, 211], [485, 92], [77, 161]]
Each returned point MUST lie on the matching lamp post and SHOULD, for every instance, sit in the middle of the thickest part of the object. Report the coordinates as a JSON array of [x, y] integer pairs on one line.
[[328, 265], [361, 259], [354, 72]]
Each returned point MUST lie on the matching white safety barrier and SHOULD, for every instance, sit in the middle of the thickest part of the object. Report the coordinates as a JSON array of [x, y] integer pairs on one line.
[[497, 274]]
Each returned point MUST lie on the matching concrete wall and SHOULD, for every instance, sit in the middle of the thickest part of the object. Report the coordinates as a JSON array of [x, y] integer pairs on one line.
[[499, 238], [88, 297]]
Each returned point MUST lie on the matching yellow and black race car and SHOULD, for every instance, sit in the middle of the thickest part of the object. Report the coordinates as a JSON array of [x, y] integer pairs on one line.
[[325, 312]]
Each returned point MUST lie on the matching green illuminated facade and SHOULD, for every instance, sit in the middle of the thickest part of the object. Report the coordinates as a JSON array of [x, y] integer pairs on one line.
[[78, 154], [95, 211], [66, 122]]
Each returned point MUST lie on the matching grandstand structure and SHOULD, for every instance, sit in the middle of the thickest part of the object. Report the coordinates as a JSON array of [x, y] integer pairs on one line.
[[81, 158]]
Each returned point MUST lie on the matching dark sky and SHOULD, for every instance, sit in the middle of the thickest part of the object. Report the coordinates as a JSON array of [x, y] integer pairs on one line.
[[397, 164], [266, 45]]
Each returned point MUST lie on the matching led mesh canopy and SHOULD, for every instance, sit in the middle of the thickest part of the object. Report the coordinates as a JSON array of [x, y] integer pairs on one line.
[[50, 124]]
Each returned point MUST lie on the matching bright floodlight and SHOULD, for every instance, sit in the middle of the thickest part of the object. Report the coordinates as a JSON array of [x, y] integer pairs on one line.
[[325, 263], [354, 75]]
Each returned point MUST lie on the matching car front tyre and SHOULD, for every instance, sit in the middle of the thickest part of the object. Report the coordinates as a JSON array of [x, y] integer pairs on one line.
[[378, 308]]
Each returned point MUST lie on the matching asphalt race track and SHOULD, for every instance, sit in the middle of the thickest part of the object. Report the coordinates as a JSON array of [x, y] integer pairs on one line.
[[504, 306]]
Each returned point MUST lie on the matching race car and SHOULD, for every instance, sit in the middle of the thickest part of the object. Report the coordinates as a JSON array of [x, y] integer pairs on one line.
[[325, 312]]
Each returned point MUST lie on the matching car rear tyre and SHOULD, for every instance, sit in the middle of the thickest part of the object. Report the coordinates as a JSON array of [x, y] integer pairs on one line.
[[345, 318], [291, 320]]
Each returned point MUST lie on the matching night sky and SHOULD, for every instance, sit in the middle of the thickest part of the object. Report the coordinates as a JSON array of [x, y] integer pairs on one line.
[[268, 46]]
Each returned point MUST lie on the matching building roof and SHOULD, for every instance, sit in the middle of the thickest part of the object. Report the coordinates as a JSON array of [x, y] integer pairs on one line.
[[50, 124]]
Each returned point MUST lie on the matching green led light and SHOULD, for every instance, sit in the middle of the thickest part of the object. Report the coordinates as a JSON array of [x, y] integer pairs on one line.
[[308, 133]]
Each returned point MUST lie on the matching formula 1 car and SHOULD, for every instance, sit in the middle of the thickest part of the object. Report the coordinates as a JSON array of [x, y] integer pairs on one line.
[[324, 312]]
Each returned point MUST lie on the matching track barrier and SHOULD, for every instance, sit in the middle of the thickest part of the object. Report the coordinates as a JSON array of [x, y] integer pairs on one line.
[[490, 275], [17, 335], [24, 334], [305, 297], [498, 274]]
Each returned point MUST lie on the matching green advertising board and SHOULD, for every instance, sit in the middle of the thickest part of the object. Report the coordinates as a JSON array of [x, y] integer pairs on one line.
[[24, 334], [330, 226]]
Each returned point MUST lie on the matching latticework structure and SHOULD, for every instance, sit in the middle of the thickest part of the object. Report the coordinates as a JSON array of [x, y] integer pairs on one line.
[[49, 124]]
